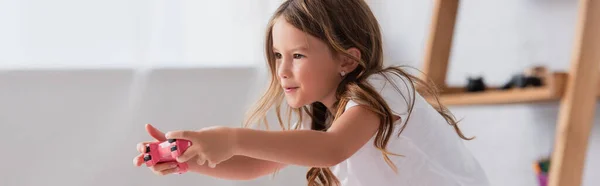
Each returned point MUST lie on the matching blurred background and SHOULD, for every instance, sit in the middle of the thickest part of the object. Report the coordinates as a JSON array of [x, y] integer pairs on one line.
[[79, 79]]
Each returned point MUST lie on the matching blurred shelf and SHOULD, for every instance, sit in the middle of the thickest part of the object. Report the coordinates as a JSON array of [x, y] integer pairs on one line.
[[552, 90], [576, 115]]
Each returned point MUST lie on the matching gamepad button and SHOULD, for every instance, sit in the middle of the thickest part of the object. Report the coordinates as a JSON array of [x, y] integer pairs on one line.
[[147, 157]]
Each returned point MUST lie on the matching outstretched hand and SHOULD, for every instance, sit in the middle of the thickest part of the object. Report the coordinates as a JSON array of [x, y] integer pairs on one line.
[[213, 145], [160, 168]]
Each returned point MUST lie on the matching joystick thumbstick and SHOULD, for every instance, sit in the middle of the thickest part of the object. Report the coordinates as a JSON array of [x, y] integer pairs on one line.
[[147, 149], [173, 148], [147, 157], [171, 140]]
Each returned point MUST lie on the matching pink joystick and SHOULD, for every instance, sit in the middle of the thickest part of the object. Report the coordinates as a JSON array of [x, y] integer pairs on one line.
[[166, 151]]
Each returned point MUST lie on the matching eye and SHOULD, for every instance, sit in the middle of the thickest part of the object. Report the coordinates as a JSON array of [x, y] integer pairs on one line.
[[298, 56], [277, 55]]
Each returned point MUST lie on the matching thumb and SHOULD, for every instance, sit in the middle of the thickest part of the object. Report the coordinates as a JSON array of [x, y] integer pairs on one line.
[[155, 133], [181, 134]]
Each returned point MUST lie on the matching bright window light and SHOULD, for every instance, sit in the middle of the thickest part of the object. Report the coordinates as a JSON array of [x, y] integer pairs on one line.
[[133, 33]]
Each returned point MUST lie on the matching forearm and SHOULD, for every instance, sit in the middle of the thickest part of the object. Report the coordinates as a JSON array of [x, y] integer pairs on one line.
[[298, 147], [237, 168]]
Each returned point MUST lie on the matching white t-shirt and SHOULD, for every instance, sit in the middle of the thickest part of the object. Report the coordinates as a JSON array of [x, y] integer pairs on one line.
[[433, 153]]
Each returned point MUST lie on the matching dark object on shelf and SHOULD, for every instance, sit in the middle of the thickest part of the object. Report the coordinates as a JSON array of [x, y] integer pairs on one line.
[[537, 71], [515, 81], [522, 81], [535, 76], [534, 81], [475, 84]]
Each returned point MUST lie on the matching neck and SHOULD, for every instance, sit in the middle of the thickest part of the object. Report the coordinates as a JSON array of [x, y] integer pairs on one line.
[[329, 101]]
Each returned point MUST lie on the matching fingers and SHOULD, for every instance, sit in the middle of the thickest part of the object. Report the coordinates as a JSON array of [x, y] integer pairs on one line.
[[158, 169], [165, 168], [181, 134], [186, 135], [201, 160], [155, 133], [141, 147], [138, 160], [161, 168], [187, 155], [168, 171], [212, 164]]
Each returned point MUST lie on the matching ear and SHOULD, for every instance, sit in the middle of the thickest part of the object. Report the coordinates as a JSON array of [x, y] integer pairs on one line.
[[348, 64]]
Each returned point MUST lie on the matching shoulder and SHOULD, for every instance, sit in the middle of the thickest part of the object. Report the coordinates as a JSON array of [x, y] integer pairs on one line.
[[396, 90], [386, 81]]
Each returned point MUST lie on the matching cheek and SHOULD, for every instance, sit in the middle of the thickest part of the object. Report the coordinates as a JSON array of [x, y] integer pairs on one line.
[[317, 79]]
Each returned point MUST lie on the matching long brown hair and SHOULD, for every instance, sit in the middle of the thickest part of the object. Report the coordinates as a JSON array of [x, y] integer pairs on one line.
[[341, 24]]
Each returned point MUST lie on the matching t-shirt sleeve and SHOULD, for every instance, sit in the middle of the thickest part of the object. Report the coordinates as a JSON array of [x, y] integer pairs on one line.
[[395, 92]]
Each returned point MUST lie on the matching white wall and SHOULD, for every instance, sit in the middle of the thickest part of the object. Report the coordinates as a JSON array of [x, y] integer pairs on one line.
[[80, 127]]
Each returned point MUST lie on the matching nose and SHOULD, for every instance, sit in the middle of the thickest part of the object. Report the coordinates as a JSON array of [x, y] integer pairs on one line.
[[284, 68]]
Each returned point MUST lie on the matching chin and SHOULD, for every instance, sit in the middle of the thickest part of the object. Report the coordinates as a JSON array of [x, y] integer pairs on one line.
[[294, 103]]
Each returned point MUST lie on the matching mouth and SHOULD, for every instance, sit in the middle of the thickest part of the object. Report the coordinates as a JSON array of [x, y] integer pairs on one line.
[[290, 89]]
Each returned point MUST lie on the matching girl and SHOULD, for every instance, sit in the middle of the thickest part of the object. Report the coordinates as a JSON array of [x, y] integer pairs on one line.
[[359, 124]]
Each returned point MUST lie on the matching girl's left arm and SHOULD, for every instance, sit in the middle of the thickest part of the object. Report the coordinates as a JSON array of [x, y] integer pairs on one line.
[[308, 147]]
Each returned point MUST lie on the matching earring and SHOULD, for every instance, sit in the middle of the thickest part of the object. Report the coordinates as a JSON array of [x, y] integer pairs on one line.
[[343, 73]]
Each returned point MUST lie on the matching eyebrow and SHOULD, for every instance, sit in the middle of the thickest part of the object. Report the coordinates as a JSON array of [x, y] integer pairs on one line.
[[301, 48]]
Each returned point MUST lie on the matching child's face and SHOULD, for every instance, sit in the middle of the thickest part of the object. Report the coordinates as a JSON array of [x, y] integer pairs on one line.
[[306, 68]]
